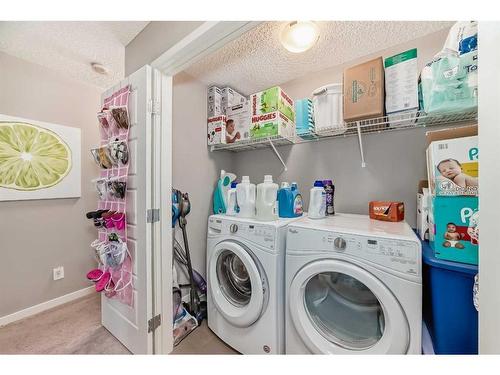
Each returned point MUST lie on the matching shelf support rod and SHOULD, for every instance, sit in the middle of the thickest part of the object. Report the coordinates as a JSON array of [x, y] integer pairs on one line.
[[278, 155], [360, 141]]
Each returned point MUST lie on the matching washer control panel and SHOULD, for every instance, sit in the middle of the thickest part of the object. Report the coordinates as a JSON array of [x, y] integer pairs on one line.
[[264, 235], [400, 255]]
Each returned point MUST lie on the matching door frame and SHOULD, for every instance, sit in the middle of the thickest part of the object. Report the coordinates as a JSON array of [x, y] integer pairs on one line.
[[207, 38]]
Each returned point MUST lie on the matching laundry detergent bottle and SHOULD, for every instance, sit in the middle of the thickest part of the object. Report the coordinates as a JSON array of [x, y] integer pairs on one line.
[[317, 201], [289, 201], [266, 204], [245, 197], [232, 204], [220, 192]]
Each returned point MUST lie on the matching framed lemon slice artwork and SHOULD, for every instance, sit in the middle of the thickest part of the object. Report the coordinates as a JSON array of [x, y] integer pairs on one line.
[[38, 160]]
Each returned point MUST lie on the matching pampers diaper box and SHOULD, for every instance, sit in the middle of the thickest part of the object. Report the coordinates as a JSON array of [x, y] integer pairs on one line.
[[270, 124], [453, 166], [272, 100], [216, 130], [238, 122], [456, 229]]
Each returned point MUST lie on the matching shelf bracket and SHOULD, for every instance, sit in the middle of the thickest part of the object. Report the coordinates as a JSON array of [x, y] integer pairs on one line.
[[278, 155], [360, 141]]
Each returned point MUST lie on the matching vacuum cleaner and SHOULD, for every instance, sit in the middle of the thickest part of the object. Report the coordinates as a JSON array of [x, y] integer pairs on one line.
[[197, 309]]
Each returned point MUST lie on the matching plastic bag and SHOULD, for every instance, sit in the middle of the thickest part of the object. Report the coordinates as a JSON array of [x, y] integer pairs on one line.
[[449, 81]]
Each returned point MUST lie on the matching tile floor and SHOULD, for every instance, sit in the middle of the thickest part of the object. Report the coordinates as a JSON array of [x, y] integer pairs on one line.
[[75, 328]]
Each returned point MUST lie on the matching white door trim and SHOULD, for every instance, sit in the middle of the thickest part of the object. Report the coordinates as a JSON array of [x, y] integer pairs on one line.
[[207, 38]]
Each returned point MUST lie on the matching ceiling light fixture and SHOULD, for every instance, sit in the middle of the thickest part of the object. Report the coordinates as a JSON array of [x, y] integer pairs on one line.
[[99, 68], [299, 36]]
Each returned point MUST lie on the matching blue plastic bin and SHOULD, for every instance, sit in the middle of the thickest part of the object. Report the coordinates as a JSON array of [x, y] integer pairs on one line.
[[448, 308]]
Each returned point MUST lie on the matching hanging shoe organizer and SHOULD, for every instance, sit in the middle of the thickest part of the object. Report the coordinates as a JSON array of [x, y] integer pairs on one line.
[[114, 274]]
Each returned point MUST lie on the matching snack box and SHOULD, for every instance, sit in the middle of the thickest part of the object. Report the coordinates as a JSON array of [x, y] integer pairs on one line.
[[238, 122], [456, 226], [270, 124], [272, 100], [387, 211], [453, 166], [216, 130]]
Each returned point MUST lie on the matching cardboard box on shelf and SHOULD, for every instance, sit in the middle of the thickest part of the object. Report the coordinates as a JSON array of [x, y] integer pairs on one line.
[[271, 124], [214, 102], [271, 100], [216, 130], [238, 122], [231, 97], [456, 222], [453, 166], [401, 82], [364, 92]]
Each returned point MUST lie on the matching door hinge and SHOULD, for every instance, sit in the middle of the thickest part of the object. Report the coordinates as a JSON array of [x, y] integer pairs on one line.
[[154, 107], [154, 323], [153, 215]]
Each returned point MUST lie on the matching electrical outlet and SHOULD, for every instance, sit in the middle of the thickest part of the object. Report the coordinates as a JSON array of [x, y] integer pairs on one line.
[[58, 273]]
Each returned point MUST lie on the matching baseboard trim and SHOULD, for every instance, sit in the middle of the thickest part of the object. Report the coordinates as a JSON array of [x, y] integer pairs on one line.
[[7, 319]]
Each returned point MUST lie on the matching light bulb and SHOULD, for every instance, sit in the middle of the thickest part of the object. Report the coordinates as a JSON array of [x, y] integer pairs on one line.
[[299, 36]]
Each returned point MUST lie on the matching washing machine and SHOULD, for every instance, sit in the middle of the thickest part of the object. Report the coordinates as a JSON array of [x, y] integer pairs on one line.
[[354, 286], [245, 276]]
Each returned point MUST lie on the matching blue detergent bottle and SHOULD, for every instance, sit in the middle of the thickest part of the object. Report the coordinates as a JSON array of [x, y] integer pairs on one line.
[[289, 201]]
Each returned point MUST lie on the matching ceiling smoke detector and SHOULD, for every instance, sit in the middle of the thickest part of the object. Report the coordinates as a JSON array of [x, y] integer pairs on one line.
[[99, 68], [299, 36]]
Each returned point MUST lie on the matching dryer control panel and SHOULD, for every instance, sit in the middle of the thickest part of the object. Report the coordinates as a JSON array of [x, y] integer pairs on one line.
[[263, 235], [400, 255]]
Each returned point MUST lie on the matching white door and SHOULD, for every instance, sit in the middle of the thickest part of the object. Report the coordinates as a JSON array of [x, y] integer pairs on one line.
[[129, 324], [237, 284], [340, 308]]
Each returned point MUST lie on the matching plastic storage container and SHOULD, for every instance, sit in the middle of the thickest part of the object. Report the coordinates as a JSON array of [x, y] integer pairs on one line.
[[448, 308], [327, 104]]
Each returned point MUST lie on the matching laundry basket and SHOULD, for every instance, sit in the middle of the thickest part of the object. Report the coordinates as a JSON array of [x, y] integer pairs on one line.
[[448, 307], [328, 115]]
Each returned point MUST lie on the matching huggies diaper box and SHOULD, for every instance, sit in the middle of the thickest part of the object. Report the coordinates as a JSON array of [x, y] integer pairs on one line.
[[238, 122], [270, 124], [272, 100], [216, 130], [452, 166], [456, 229]]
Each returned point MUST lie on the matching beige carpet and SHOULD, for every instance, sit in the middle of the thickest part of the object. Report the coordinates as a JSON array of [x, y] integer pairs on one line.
[[75, 328]]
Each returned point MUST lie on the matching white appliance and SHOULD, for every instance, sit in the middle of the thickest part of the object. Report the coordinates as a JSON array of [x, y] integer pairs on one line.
[[246, 291], [354, 286]]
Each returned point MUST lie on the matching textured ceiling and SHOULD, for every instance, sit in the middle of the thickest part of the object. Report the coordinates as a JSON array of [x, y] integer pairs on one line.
[[70, 47], [257, 60]]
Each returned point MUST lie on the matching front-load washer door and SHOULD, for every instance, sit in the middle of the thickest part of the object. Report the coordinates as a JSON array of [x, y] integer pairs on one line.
[[340, 308], [236, 284]]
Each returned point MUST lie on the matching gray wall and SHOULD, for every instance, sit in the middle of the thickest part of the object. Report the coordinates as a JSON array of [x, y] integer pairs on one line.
[[195, 168], [156, 38], [395, 160], [36, 236]]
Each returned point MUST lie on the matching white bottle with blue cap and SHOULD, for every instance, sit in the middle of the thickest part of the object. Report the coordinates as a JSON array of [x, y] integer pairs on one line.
[[317, 201], [232, 203]]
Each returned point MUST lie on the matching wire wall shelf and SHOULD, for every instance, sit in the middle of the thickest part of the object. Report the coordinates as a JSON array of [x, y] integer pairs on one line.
[[408, 120]]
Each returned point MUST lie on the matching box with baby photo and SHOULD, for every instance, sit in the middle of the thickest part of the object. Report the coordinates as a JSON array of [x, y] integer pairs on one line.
[[238, 122], [452, 166], [456, 224]]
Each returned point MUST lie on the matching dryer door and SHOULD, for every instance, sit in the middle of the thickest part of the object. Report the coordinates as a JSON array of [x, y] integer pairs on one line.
[[340, 308], [236, 284]]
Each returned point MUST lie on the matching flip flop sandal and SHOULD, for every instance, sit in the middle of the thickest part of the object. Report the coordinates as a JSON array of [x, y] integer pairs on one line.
[[103, 281], [95, 275], [95, 214]]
